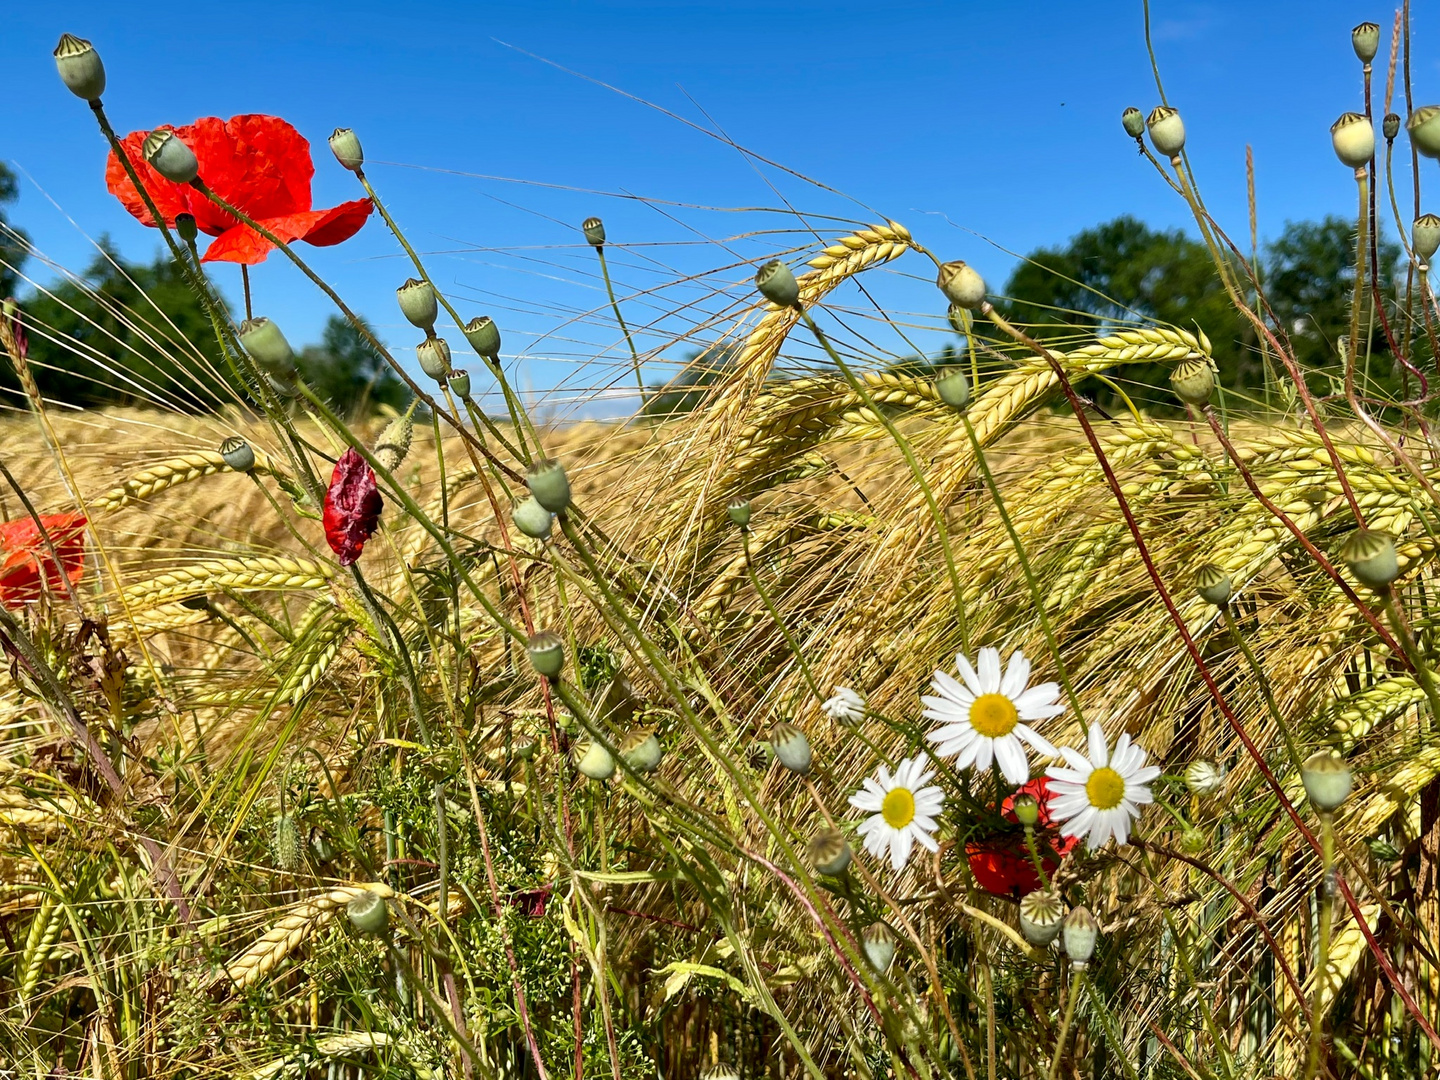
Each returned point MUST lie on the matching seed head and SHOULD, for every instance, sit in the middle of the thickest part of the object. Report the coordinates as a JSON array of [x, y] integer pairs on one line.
[[170, 157], [1424, 129], [238, 454], [722, 1071], [1366, 40], [777, 284], [1354, 140], [792, 748], [1041, 915], [878, 942], [830, 853], [1167, 131], [1425, 236], [1203, 778], [460, 383], [80, 68], [265, 343], [369, 913], [1371, 558], [532, 519], [641, 749], [739, 512], [186, 227], [1134, 121], [594, 230], [1327, 780], [484, 336], [345, 145], [962, 285], [959, 319], [418, 303], [953, 388], [434, 356], [1026, 808], [549, 484], [595, 761], [1080, 930], [1193, 380], [1213, 584], [547, 653], [1390, 126]]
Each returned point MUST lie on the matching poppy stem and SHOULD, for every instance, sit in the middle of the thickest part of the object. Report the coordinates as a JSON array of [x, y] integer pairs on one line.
[[245, 281]]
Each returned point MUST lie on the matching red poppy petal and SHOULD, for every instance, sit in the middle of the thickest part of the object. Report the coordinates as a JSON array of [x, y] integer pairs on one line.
[[243, 244], [28, 557], [169, 197], [352, 507], [259, 164], [339, 223]]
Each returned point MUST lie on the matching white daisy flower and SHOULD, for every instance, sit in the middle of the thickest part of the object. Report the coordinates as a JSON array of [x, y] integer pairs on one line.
[[902, 810], [1103, 795], [845, 707], [984, 716]]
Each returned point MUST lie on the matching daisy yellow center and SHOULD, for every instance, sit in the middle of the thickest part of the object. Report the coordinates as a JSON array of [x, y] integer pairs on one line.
[[898, 809], [1105, 788], [993, 715]]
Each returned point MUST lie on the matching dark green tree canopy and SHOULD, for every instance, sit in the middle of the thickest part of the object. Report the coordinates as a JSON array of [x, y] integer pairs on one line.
[[13, 243], [348, 373]]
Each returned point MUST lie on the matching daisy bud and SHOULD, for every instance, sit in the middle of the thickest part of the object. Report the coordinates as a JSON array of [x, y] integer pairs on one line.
[[1042, 913], [1027, 809], [953, 388], [549, 484], [595, 762], [1194, 842], [267, 346], [1424, 129], [170, 157], [962, 284], [434, 356], [1366, 40], [484, 336], [345, 145], [1327, 780], [1371, 558], [1134, 121], [739, 512], [1353, 139], [641, 749], [1203, 778], [547, 653], [1390, 126], [830, 853], [1425, 236], [1193, 380], [285, 843], [460, 383], [791, 747], [845, 706], [1080, 930], [959, 319], [1167, 130], [80, 67], [238, 454], [878, 942], [594, 230], [532, 519], [777, 284], [369, 913], [1213, 584], [394, 441], [418, 303], [185, 226]]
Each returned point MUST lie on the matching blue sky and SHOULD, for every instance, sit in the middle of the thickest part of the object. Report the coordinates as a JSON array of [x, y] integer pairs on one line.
[[982, 127]]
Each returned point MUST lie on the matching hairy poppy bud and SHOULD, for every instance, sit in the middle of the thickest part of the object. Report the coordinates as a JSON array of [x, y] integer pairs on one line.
[[170, 157], [547, 481], [1167, 130], [594, 761], [1424, 129], [265, 343], [484, 336], [879, 944], [345, 145], [1134, 121], [641, 749], [1203, 778], [80, 67], [418, 303], [1371, 558], [1213, 584], [185, 226], [1425, 236], [1026, 809], [1366, 40], [830, 853], [434, 356], [394, 441], [1080, 930], [739, 512], [792, 748], [962, 284], [1041, 915], [777, 284], [238, 454], [953, 388], [547, 653], [1193, 380], [532, 519], [1354, 140], [1327, 780], [369, 913], [285, 843], [594, 230], [460, 383], [1390, 126]]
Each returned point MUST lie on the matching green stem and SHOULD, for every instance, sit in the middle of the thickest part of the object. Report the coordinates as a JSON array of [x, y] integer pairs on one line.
[[1077, 980], [1417, 660], [779, 620], [615, 307], [1265, 688], [1322, 956]]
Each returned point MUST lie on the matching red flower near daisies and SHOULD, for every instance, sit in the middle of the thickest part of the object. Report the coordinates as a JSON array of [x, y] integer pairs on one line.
[[352, 506], [1002, 864], [27, 566], [258, 164]]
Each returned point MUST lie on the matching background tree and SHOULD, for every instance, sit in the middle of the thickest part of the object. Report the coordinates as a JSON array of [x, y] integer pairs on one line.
[[684, 392], [348, 373], [14, 245]]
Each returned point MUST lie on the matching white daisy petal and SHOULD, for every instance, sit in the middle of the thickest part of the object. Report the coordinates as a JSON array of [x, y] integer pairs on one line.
[[1011, 756], [1017, 674], [984, 753], [989, 665], [1095, 740], [1041, 744], [972, 680]]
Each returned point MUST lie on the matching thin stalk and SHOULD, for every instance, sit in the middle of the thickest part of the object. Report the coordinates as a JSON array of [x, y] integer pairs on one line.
[[1417, 659], [779, 620], [1077, 980], [1322, 955], [615, 307], [1264, 682]]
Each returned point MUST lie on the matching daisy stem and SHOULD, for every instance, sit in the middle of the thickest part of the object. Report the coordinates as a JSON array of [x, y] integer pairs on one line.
[[779, 621], [1077, 980], [1034, 850], [1322, 954], [1264, 681]]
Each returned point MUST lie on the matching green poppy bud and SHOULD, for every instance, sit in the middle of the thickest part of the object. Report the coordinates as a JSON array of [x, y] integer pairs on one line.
[[394, 441], [1203, 778], [285, 843], [265, 343], [170, 157], [1042, 913], [1193, 380], [532, 519], [1213, 584], [1424, 129], [1390, 126], [792, 748], [185, 226], [1080, 931], [460, 383], [1354, 140], [1371, 558], [484, 336], [962, 285], [1026, 809], [739, 512], [547, 653], [369, 913], [345, 145], [641, 749], [594, 230], [549, 484], [434, 356], [1366, 40], [777, 284], [1327, 780], [830, 853], [959, 319], [878, 942], [418, 303], [1167, 131], [1134, 121], [80, 68], [594, 761], [1425, 236], [953, 388], [238, 454]]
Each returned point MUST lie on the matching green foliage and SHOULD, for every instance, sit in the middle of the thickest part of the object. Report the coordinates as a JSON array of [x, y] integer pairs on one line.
[[687, 390], [13, 242], [345, 370]]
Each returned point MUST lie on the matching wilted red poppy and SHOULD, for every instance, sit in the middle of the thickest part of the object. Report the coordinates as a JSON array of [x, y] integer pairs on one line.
[[352, 506], [27, 561], [256, 163], [1002, 864]]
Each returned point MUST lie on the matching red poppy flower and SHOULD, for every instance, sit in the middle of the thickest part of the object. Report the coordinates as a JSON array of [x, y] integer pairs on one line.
[[352, 506], [28, 566], [258, 164], [1002, 865]]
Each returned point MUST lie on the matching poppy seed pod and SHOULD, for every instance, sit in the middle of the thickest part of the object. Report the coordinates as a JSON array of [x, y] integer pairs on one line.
[[238, 454], [594, 230], [721, 1071], [1193, 380], [1134, 121], [1390, 126], [1371, 558], [878, 942], [1080, 930], [594, 761], [1203, 778], [532, 519], [777, 284], [418, 303], [958, 318], [1327, 780], [1042, 913], [1026, 809], [1366, 40], [267, 346], [1424, 129], [460, 383], [394, 441], [345, 145], [1354, 140], [369, 913], [830, 853], [1167, 130], [80, 67], [739, 512], [547, 653], [953, 388], [434, 356], [962, 285], [792, 748], [186, 227], [1425, 236], [549, 484], [641, 749], [1213, 584], [285, 843], [170, 157], [483, 336]]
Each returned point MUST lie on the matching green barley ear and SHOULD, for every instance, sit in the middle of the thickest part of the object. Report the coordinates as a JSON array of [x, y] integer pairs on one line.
[[170, 157], [1371, 557], [830, 853], [641, 749], [879, 944], [1353, 138], [777, 284], [1365, 39], [1134, 122], [238, 454], [369, 913], [547, 481], [1213, 584], [1042, 913], [1080, 931], [547, 654], [80, 68], [1327, 780], [434, 356], [962, 285], [1193, 380], [1424, 129], [345, 145], [594, 230], [418, 303], [1167, 130], [792, 748]]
